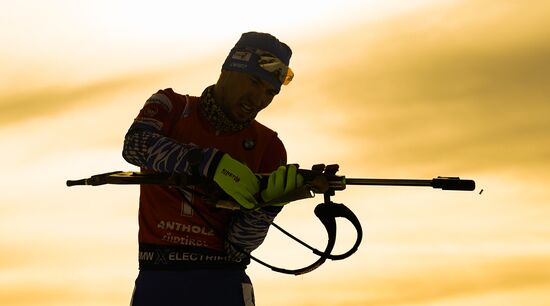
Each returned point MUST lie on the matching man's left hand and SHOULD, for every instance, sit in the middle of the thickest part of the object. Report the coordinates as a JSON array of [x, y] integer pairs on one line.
[[282, 181]]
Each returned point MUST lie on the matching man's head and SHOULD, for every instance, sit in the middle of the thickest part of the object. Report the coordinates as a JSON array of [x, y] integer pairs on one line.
[[252, 75], [262, 55]]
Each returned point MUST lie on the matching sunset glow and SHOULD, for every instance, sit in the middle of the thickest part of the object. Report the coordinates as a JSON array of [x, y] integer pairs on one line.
[[408, 89]]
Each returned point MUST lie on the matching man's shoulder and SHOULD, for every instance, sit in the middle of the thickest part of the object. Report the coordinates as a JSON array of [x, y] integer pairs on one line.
[[263, 128], [175, 96]]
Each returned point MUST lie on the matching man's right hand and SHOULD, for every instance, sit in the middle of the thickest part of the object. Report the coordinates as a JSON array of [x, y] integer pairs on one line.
[[238, 181]]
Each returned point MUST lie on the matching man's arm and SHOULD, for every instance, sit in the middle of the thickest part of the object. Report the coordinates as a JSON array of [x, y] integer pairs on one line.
[[248, 229], [146, 146], [149, 149]]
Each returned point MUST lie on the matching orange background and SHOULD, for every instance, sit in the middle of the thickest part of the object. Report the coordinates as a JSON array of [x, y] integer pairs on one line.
[[404, 89]]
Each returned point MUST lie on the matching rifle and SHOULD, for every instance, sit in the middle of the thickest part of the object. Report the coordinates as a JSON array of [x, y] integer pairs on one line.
[[321, 179]]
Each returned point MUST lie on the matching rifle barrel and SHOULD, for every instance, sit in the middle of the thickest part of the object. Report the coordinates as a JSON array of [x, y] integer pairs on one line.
[[388, 182], [445, 183]]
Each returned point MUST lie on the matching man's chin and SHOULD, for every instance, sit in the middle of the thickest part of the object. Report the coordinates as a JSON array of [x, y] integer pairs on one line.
[[242, 118]]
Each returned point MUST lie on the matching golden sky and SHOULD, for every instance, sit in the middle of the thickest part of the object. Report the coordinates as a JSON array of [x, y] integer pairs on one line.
[[404, 89]]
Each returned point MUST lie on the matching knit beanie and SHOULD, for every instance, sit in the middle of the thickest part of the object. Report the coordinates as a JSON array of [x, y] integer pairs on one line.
[[262, 55]]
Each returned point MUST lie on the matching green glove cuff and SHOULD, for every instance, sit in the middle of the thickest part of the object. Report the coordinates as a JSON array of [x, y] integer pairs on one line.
[[237, 180]]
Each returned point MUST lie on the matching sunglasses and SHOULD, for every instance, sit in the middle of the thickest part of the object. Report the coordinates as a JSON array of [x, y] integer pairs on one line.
[[275, 66]]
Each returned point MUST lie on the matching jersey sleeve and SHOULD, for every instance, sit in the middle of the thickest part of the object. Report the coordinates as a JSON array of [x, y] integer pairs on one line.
[[159, 114], [147, 145]]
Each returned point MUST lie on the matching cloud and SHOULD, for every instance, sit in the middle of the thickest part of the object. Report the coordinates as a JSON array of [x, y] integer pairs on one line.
[[421, 279], [457, 279], [453, 87], [48, 101], [43, 98]]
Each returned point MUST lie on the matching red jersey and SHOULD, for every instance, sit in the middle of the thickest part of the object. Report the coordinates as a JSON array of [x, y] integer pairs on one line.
[[166, 219]]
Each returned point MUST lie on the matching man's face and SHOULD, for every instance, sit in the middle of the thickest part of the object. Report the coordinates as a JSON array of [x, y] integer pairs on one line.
[[243, 95]]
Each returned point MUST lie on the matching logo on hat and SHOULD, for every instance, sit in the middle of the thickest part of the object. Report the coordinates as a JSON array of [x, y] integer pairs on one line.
[[242, 56]]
